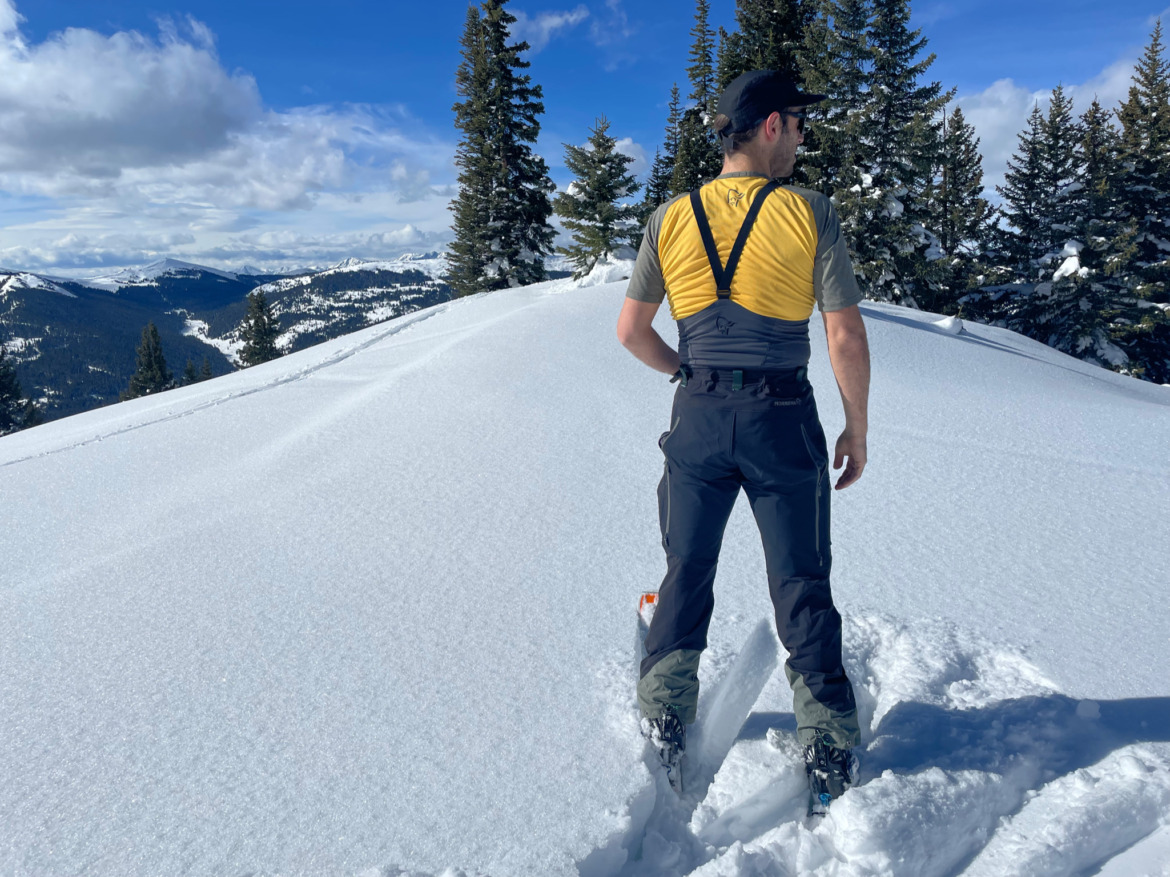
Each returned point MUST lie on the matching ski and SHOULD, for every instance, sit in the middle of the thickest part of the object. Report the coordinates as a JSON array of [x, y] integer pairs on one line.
[[722, 711]]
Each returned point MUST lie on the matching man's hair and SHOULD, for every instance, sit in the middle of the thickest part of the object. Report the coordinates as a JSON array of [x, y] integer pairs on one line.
[[733, 141]]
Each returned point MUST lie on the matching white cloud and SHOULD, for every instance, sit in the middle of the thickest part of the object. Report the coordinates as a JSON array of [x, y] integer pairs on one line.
[[136, 119], [141, 142], [640, 163], [538, 31]]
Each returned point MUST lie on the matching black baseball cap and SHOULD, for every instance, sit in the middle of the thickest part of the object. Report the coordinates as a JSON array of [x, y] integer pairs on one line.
[[753, 96]]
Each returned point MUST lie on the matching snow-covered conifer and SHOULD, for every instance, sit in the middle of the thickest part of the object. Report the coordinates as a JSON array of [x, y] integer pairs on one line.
[[837, 63], [1024, 199], [502, 212], [884, 214], [1059, 177], [1143, 245], [592, 208]]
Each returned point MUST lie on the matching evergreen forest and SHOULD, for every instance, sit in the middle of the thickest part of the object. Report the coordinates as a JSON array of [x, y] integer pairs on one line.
[[1072, 250]]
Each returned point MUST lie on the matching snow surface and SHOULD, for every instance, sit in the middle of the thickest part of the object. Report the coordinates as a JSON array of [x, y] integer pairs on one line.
[[370, 607]]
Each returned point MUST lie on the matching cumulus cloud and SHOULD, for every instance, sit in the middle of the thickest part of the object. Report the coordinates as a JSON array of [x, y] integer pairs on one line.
[[1000, 112], [140, 119], [640, 163], [538, 31], [81, 251]]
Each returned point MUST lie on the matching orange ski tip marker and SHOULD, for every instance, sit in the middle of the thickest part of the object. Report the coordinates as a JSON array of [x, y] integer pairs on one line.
[[650, 598]]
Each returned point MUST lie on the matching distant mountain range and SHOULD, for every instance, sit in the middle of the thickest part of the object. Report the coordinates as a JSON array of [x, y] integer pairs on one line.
[[74, 340]]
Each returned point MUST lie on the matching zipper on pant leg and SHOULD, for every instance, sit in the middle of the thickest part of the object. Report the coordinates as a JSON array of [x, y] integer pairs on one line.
[[817, 512], [821, 472]]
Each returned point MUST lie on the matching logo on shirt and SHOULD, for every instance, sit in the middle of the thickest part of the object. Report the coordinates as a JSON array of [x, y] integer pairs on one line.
[[724, 326], [734, 197]]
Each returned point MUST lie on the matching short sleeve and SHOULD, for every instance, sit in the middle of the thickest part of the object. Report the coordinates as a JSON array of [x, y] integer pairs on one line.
[[646, 283], [834, 282]]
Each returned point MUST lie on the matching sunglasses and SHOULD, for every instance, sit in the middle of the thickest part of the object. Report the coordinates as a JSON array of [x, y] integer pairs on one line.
[[799, 115]]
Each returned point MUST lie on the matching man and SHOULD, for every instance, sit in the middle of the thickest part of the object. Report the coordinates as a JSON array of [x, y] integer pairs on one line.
[[742, 261]]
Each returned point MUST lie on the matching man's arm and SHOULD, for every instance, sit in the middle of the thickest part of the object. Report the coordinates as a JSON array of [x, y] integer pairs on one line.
[[849, 355], [636, 331]]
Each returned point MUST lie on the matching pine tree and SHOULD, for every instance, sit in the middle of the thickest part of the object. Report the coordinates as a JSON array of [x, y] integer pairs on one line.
[[470, 251], [205, 373], [700, 72], [694, 163], [151, 374], [190, 375], [770, 35], [259, 331], [885, 219], [591, 208], [502, 212], [961, 216], [729, 59], [1099, 202], [16, 412], [1059, 172], [698, 156], [1144, 179], [837, 63], [1024, 199], [660, 185]]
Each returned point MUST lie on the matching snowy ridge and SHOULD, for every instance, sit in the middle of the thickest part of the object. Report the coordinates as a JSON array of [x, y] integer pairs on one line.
[[458, 513], [148, 274], [24, 280]]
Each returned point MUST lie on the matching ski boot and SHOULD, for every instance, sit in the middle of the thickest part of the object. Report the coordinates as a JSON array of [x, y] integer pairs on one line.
[[830, 772], [668, 735]]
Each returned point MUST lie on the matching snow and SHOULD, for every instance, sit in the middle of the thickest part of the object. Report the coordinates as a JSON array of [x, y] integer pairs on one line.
[[24, 280], [150, 273], [369, 609], [201, 330], [1071, 265]]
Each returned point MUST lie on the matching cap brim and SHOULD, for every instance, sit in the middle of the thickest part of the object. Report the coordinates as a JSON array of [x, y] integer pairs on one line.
[[804, 100]]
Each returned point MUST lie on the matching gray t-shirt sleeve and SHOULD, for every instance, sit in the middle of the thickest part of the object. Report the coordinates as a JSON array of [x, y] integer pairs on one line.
[[834, 283], [646, 283]]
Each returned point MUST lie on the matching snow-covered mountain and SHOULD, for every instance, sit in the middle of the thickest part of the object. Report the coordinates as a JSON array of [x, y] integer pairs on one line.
[[370, 607], [76, 355], [151, 273]]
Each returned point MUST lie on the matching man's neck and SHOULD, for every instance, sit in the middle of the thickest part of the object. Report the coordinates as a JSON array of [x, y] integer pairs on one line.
[[745, 162]]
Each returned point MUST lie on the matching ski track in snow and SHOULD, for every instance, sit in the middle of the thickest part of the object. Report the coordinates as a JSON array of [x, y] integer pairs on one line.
[[345, 353], [973, 765]]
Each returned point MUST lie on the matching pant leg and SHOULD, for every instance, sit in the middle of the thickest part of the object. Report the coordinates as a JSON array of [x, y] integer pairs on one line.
[[695, 498], [781, 450]]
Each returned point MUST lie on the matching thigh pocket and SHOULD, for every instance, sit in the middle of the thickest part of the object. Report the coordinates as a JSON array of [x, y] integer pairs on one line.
[[814, 443], [665, 437]]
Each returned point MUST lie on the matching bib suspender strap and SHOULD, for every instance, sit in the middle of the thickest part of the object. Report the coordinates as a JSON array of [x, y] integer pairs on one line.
[[723, 276]]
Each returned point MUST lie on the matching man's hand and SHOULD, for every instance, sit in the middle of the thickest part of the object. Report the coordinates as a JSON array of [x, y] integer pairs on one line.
[[849, 355], [851, 447]]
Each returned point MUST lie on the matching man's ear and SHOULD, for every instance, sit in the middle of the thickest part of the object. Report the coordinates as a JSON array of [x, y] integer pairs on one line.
[[773, 125]]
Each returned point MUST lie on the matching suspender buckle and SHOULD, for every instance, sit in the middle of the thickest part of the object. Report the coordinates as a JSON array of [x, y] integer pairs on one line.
[[737, 379]]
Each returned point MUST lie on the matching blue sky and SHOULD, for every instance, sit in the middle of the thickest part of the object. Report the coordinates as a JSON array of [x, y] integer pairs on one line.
[[282, 133]]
